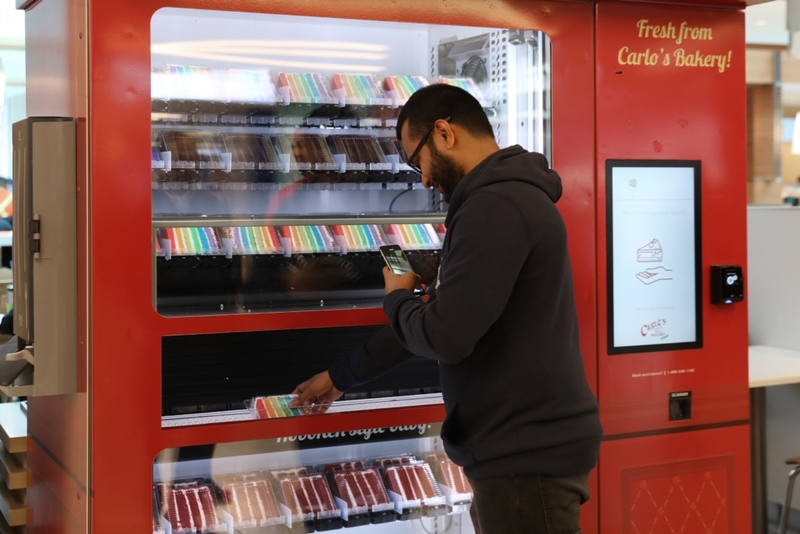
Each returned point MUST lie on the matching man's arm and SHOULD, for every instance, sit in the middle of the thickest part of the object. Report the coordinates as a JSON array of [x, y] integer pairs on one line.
[[379, 354]]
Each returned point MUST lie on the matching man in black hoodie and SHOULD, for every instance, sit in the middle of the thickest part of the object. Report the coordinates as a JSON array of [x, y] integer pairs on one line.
[[500, 318]]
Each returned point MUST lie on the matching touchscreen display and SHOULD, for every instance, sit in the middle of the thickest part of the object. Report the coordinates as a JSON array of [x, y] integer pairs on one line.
[[653, 255]]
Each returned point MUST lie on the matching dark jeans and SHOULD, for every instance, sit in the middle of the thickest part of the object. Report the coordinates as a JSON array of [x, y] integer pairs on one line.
[[528, 504]]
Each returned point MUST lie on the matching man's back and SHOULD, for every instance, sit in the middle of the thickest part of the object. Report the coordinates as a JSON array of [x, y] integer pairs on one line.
[[519, 403]]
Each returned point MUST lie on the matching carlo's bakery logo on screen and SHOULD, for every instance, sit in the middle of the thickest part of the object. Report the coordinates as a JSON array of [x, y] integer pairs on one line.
[[655, 329]]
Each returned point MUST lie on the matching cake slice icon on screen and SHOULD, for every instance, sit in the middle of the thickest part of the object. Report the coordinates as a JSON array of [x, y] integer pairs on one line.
[[650, 253]]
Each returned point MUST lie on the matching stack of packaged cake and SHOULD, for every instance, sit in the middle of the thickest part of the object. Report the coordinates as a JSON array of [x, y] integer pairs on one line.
[[304, 152], [411, 487], [305, 88], [190, 507], [452, 482], [413, 236], [306, 498], [359, 493], [359, 89], [400, 88], [272, 407], [250, 501]]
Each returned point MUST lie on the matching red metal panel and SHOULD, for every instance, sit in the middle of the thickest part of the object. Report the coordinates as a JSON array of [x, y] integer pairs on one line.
[[56, 85], [736, 4], [684, 482], [676, 111], [126, 331], [57, 500]]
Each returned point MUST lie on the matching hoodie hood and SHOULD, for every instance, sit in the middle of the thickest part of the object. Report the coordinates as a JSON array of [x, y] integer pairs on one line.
[[512, 164]]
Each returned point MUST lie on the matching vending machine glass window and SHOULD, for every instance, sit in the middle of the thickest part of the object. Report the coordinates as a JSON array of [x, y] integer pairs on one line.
[[276, 173], [394, 480]]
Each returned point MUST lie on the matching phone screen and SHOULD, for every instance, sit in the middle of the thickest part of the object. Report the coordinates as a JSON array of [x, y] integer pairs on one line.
[[396, 259]]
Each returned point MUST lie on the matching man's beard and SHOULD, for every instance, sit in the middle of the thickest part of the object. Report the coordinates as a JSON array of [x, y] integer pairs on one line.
[[445, 172]]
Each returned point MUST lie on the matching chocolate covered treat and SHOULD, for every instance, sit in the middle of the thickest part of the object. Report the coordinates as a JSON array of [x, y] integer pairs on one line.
[[304, 148], [362, 149], [247, 151]]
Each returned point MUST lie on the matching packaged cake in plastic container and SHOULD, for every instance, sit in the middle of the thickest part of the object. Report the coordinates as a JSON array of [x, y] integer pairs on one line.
[[414, 491], [307, 499], [416, 236], [359, 89], [361, 495], [272, 407], [190, 507], [279, 474], [388, 461], [252, 504], [344, 466], [305, 88], [304, 152], [412, 486], [467, 84], [358, 153], [358, 237], [400, 88], [453, 484]]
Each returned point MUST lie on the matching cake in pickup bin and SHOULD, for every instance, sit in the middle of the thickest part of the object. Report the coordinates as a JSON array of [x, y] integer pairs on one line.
[[393, 460], [252, 504], [452, 482], [361, 495], [414, 491], [190, 507], [344, 466], [447, 473], [309, 499]]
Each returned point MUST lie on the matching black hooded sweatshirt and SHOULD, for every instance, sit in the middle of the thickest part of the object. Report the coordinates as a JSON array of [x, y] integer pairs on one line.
[[502, 324]]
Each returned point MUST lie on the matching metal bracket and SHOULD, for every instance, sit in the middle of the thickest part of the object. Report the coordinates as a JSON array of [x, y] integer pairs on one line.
[[25, 354], [35, 235]]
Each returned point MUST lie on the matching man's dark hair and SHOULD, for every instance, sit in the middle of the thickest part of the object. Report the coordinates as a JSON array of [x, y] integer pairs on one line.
[[440, 101]]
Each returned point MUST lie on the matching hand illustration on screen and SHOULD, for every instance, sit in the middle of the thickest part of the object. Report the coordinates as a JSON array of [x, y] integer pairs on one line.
[[654, 274]]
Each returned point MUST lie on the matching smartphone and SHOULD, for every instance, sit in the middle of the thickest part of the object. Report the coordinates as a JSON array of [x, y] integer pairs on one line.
[[396, 259]]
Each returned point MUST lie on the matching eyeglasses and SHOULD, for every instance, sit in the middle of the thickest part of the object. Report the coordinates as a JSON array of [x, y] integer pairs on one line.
[[410, 160]]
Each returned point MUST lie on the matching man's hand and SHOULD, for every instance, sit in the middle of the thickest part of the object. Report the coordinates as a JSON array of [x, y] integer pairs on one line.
[[316, 394], [409, 281]]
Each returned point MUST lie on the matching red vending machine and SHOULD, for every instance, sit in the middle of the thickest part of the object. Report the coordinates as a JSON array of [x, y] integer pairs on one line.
[[240, 257], [672, 357]]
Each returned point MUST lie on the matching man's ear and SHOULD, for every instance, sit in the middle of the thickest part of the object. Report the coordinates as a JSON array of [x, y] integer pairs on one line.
[[445, 130]]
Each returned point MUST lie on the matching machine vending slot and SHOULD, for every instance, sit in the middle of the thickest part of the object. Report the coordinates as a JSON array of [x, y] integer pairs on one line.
[[219, 372], [239, 269], [205, 159]]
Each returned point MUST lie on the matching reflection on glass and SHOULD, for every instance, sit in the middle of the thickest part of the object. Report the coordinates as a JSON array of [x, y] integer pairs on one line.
[[275, 170]]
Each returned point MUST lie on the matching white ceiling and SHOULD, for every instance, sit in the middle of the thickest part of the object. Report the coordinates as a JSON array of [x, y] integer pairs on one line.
[[765, 24]]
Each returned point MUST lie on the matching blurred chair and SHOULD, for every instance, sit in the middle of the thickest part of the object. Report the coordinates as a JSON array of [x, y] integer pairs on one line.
[[787, 505]]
